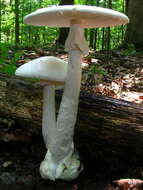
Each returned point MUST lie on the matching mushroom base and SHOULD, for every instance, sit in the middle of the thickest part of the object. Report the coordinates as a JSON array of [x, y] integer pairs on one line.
[[67, 169]]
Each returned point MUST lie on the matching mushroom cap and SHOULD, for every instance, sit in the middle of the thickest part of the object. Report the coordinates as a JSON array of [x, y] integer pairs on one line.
[[89, 16], [47, 68]]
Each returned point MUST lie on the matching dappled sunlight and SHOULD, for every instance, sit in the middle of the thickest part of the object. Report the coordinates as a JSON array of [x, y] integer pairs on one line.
[[126, 88], [122, 79]]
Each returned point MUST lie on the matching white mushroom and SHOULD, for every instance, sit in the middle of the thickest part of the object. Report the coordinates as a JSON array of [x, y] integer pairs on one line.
[[77, 17], [52, 73]]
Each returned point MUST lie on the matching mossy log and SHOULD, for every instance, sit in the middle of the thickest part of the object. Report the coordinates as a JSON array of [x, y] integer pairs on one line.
[[106, 127]]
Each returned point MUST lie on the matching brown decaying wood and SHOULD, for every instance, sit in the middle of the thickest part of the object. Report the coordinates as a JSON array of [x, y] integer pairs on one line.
[[106, 127]]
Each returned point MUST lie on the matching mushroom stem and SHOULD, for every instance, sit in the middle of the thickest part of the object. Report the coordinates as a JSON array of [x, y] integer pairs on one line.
[[77, 46], [49, 119], [62, 160], [69, 105]]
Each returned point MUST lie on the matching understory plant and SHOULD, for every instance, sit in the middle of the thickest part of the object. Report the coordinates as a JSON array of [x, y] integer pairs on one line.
[[8, 65]]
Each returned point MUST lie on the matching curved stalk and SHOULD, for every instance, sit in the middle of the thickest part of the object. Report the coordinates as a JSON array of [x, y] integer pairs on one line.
[[61, 160], [49, 118], [77, 46], [68, 109]]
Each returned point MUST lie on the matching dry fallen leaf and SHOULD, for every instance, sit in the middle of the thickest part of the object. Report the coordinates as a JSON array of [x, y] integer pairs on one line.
[[109, 187], [141, 97], [6, 164], [126, 184], [75, 187]]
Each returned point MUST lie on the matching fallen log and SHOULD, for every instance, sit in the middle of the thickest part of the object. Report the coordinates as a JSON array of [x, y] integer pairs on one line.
[[106, 128]]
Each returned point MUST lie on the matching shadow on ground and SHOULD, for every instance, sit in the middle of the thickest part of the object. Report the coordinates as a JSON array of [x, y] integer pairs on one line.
[[19, 169]]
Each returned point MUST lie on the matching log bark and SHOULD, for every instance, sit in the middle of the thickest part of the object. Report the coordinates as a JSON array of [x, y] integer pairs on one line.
[[106, 128]]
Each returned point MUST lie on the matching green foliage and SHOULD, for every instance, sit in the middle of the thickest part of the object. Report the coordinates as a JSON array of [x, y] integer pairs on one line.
[[96, 70], [3, 53], [30, 36], [32, 80], [130, 50], [5, 67]]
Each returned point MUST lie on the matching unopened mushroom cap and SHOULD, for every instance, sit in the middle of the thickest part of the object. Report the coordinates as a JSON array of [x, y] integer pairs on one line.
[[89, 16], [47, 68]]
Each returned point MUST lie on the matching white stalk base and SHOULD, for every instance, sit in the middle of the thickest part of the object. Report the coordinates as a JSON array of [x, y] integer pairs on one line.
[[68, 169]]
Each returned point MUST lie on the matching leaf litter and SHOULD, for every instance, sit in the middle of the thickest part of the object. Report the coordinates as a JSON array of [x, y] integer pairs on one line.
[[119, 77], [116, 75]]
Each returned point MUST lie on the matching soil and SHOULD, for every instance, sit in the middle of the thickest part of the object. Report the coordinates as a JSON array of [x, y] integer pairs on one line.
[[19, 169], [118, 77]]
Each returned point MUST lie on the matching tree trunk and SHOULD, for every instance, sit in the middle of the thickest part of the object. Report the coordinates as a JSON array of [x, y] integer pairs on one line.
[[106, 128], [17, 25], [63, 33], [91, 38], [108, 35], [103, 38], [134, 33], [95, 30], [0, 20]]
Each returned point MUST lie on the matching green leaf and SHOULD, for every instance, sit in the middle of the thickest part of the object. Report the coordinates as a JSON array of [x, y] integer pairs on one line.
[[16, 58], [3, 53], [95, 70], [8, 69]]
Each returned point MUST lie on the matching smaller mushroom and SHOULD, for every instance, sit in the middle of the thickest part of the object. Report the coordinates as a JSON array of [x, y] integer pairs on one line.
[[52, 73]]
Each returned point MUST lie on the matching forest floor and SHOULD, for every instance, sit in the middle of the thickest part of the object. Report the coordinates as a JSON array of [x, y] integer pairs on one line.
[[19, 170], [119, 76]]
